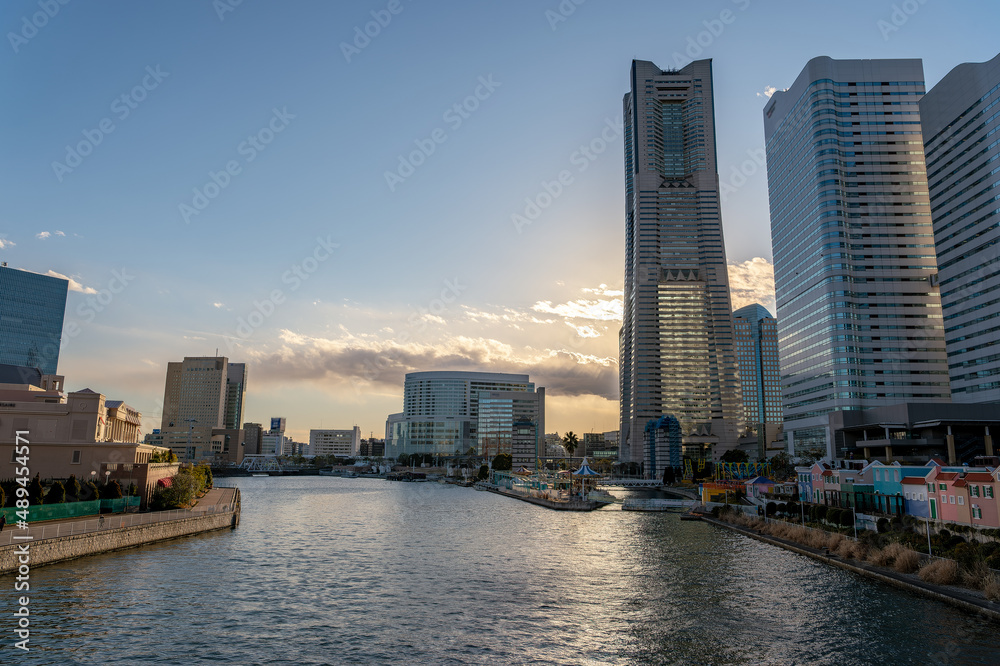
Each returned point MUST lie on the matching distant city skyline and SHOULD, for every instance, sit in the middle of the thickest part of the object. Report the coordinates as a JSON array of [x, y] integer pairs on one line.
[[337, 209]]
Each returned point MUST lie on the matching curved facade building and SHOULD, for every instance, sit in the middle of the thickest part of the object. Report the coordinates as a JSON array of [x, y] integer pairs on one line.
[[446, 412]]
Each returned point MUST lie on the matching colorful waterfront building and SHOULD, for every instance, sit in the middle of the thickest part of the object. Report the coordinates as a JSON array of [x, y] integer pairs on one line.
[[915, 491], [983, 507]]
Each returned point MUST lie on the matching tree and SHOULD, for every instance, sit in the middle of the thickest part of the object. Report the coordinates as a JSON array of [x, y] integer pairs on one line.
[[847, 518], [782, 467], [112, 490], [502, 462], [570, 442], [35, 490], [770, 508], [668, 475], [484, 473], [73, 489], [734, 456], [56, 494], [3, 497], [90, 491]]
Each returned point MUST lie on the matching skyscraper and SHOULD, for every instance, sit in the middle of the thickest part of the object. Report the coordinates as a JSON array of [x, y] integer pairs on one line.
[[32, 307], [676, 343], [202, 408], [961, 120], [859, 322], [756, 334]]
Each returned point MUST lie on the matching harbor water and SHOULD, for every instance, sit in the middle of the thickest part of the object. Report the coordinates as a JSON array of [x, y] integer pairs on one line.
[[326, 570]]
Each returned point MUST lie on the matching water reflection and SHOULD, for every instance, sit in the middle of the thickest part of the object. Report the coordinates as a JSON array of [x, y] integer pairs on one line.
[[329, 570]]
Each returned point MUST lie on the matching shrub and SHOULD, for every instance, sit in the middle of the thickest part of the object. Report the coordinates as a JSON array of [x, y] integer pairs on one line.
[[886, 556], [833, 515], [770, 508], [56, 494], [908, 561], [73, 489], [112, 490], [991, 587], [35, 491], [90, 491], [882, 525], [847, 518], [940, 572]]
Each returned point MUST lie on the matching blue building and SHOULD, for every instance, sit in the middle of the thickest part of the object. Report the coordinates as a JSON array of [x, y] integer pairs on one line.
[[664, 445], [32, 307]]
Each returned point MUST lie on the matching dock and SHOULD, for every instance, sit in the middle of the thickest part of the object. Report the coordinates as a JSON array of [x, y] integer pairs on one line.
[[568, 505]]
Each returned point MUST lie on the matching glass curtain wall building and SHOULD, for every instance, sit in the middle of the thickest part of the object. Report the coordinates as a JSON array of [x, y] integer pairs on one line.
[[32, 307], [961, 123], [676, 343], [441, 412], [859, 320], [757, 349]]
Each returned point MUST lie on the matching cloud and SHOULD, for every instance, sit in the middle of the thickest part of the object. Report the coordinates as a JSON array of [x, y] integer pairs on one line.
[[220, 305], [603, 290], [768, 91], [73, 284], [584, 331], [59, 233], [752, 281], [42, 235], [4, 243], [600, 310], [357, 360]]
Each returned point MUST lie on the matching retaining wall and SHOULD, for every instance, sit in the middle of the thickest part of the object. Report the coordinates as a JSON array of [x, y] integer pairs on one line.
[[49, 551]]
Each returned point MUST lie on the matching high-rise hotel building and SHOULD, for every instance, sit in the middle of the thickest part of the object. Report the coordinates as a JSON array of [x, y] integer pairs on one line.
[[961, 128], [676, 343], [203, 402], [859, 320]]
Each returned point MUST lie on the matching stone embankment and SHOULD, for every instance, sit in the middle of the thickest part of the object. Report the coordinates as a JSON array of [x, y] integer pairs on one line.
[[959, 597], [220, 509]]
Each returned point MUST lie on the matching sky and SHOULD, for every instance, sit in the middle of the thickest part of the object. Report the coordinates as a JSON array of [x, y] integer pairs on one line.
[[338, 193]]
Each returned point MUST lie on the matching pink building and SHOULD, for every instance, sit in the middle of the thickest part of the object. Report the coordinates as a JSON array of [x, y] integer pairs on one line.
[[982, 489]]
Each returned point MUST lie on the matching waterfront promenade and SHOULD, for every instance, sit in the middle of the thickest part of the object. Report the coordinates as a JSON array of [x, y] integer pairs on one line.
[[61, 540]]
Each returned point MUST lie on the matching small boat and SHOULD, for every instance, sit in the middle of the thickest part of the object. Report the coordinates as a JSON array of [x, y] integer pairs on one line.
[[259, 474]]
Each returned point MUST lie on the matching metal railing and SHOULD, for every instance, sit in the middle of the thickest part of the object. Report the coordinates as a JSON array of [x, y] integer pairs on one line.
[[14, 535]]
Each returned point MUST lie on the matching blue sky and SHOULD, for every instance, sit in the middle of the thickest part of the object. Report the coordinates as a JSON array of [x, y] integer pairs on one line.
[[235, 178]]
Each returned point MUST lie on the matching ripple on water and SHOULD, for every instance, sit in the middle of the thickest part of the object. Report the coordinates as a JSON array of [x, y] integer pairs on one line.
[[326, 570]]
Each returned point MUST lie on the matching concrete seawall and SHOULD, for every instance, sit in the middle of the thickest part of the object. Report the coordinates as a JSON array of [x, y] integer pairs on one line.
[[50, 551], [949, 595]]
